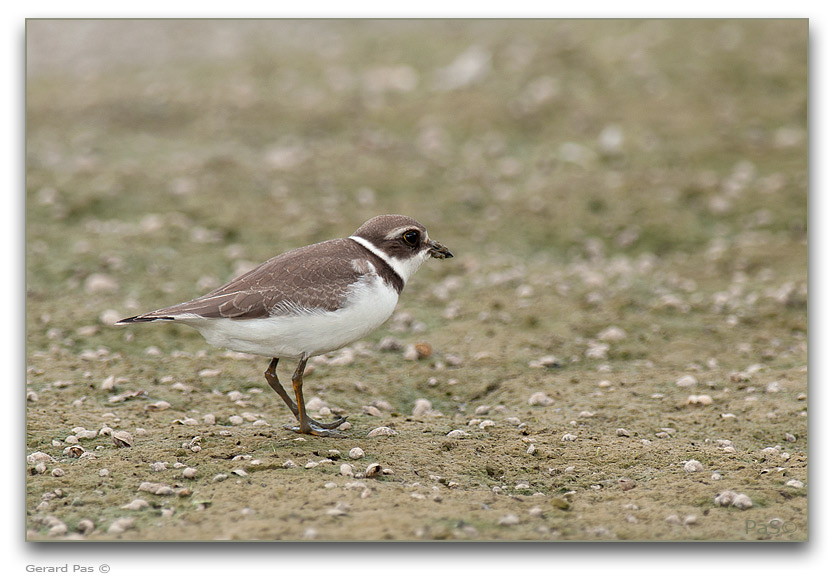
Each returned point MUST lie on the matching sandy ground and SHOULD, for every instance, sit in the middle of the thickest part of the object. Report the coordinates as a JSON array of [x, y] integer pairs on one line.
[[619, 340]]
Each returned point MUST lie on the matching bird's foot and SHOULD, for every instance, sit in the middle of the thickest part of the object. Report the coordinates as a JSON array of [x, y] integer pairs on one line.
[[316, 431]]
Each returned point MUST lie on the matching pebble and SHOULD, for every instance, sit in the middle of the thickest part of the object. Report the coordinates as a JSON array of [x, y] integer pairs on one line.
[[346, 469], [86, 526], [189, 473], [157, 406], [240, 472], [356, 453], [789, 437], [540, 399], [373, 470], [548, 361], [686, 381], [486, 424], [693, 466], [109, 383], [611, 334], [120, 525], [220, 477], [421, 407], [731, 498], [100, 283], [382, 431], [795, 483], [569, 437], [457, 434], [58, 472], [136, 505], [626, 483], [509, 520], [623, 433], [236, 420], [702, 400]]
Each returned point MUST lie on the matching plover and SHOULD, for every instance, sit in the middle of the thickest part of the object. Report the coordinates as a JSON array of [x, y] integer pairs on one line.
[[310, 301]]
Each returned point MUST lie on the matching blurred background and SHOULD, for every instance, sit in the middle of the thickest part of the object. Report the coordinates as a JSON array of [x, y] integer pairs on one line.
[[626, 201]]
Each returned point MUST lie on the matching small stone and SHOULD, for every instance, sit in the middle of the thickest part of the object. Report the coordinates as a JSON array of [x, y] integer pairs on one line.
[[569, 437], [795, 483], [626, 483], [701, 400], [86, 526], [122, 439], [120, 525], [457, 434], [693, 466], [540, 399], [509, 520], [236, 420], [100, 283], [58, 472], [356, 453], [686, 381], [421, 407], [382, 431], [109, 383], [742, 501], [790, 438], [611, 334], [623, 433], [240, 472], [373, 470], [189, 473], [136, 505], [346, 469], [158, 406], [220, 477]]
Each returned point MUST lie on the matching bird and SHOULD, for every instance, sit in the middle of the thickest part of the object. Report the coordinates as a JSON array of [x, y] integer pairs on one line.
[[310, 301]]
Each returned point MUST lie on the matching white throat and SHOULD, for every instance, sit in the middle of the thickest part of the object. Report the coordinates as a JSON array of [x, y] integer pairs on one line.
[[404, 268]]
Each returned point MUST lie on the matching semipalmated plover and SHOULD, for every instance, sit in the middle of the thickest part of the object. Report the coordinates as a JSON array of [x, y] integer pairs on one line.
[[310, 301]]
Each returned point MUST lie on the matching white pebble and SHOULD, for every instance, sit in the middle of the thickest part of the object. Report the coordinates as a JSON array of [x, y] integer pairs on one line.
[[421, 407], [236, 420], [686, 381], [611, 334], [58, 472], [381, 431], [346, 469], [702, 400], [540, 399], [136, 505], [486, 424], [373, 470], [456, 434], [209, 419], [693, 466], [569, 437], [742, 502], [356, 453], [120, 525], [189, 473], [795, 483], [509, 520]]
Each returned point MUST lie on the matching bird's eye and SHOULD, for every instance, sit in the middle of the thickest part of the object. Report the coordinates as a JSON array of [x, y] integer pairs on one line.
[[411, 237]]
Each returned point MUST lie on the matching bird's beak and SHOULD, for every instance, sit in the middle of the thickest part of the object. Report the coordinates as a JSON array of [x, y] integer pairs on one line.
[[438, 250]]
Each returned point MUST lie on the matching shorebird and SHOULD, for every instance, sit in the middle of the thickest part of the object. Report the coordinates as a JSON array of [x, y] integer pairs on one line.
[[310, 301]]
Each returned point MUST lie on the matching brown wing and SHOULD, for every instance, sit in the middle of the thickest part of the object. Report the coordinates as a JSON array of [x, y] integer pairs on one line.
[[313, 277]]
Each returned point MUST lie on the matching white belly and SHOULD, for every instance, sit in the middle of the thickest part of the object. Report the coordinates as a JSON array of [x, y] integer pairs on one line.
[[311, 332]]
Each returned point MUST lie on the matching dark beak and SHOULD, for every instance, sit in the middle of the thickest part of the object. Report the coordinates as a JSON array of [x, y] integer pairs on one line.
[[437, 250]]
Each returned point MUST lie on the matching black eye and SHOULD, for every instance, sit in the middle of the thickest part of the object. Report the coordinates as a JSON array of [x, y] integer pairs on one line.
[[411, 237]]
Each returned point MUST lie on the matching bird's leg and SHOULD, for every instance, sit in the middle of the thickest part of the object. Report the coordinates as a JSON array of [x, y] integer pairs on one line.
[[306, 425], [272, 379]]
